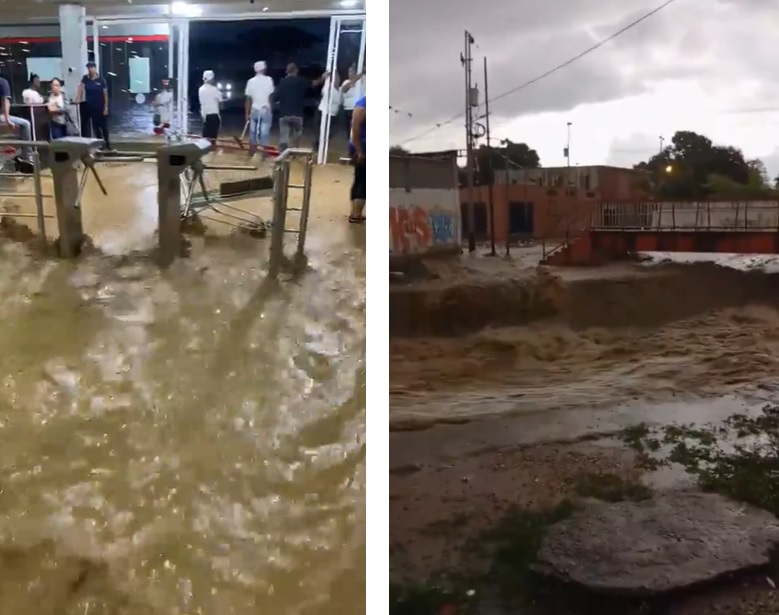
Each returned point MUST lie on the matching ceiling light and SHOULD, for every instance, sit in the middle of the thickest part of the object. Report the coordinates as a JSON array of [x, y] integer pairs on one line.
[[183, 9], [348, 4]]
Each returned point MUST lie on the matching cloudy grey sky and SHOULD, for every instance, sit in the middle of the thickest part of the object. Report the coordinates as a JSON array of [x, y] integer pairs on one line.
[[702, 65]]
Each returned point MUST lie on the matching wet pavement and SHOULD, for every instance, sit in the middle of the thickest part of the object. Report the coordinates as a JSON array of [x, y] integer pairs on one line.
[[186, 441]]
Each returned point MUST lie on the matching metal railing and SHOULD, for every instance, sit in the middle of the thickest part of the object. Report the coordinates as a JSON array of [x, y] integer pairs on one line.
[[281, 188], [687, 216], [575, 225], [37, 192]]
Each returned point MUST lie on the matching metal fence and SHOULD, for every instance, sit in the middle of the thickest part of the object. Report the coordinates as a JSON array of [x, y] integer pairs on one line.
[[37, 193], [687, 216]]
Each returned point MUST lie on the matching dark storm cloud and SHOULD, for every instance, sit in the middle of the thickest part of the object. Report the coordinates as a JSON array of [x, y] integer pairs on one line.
[[524, 38], [521, 39]]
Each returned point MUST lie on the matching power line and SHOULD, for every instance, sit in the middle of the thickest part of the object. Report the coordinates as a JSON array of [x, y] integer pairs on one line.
[[552, 71], [397, 111]]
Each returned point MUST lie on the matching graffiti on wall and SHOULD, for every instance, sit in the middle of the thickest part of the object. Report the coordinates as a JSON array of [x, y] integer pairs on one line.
[[414, 229]]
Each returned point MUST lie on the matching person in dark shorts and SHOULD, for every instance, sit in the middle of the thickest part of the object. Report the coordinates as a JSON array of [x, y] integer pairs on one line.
[[93, 96], [210, 101], [290, 99], [357, 151]]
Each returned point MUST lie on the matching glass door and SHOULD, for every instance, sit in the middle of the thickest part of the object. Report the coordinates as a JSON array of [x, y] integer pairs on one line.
[[135, 58], [346, 64]]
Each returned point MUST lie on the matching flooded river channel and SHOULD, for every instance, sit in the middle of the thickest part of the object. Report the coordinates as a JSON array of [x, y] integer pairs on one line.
[[185, 441]]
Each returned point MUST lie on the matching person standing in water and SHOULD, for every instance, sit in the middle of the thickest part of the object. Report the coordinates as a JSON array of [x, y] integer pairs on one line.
[[259, 115], [57, 111], [357, 150], [92, 94], [290, 96], [210, 101], [162, 103]]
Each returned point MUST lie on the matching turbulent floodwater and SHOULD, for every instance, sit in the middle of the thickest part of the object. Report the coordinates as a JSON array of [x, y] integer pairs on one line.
[[541, 344], [185, 441]]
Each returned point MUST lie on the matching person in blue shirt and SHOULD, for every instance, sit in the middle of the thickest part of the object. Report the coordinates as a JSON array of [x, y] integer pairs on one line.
[[23, 162], [357, 151], [93, 94]]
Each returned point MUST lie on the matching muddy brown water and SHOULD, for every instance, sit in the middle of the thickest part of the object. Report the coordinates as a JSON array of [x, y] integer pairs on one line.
[[460, 352], [184, 441]]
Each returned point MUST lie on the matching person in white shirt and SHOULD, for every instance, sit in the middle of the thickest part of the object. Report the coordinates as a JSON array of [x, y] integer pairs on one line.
[[259, 114], [32, 94], [352, 90], [331, 85], [163, 108], [210, 100]]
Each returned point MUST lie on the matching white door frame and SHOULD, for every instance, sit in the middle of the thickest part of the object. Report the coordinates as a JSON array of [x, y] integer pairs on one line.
[[182, 84], [336, 25]]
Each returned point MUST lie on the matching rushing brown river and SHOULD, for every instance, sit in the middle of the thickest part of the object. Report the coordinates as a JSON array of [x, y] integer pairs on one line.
[[185, 441], [580, 340]]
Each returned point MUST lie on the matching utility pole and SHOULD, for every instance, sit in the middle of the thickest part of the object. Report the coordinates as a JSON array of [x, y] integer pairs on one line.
[[568, 147], [466, 62], [491, 168], [662, 143]]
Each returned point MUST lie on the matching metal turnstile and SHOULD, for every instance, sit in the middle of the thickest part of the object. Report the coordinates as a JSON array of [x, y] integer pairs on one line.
[[67, 156], [172, 160]]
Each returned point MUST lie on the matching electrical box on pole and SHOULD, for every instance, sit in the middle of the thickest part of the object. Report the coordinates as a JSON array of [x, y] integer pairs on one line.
[[474, 97]]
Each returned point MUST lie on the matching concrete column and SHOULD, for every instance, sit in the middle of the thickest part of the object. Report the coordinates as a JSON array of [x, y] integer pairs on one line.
[[73, 33]]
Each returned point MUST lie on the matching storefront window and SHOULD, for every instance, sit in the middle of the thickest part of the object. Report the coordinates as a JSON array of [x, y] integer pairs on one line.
[[21, 55]]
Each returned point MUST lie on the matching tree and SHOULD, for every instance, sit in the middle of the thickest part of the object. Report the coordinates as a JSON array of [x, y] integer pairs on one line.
[[490, 160], [693, 167], [397, 150]]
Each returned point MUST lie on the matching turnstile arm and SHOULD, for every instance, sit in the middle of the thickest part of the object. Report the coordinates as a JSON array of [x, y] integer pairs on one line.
[[90, 164]]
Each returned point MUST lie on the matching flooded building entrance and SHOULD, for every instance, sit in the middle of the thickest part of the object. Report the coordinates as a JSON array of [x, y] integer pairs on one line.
[[136, 47], [188, 439]]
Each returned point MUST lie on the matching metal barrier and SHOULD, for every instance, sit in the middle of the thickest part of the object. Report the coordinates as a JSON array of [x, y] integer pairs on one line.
[[280, 207], [65, 154], [687, 216], [174, 161], [177, 201], [36, 194]]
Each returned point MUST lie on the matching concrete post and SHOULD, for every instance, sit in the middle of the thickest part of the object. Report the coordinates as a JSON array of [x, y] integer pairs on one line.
[[65, 178], [73, 34], [169, 169]]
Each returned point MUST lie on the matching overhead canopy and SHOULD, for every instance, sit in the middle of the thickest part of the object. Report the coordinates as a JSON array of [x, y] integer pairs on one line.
[[40, 11]]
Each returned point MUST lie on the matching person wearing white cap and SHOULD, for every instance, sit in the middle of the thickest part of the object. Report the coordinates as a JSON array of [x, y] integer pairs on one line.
[[259, 116], [210, 100]]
